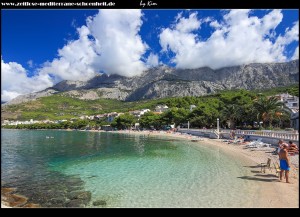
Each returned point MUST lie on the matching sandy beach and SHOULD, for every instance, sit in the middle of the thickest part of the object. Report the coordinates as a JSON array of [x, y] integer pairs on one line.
[[272, 194]]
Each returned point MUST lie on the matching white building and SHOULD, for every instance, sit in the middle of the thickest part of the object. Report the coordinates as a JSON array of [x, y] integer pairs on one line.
[[295, 120], [292, 102], [161, 108], [15, 123], [289, 100], [143, 111], [192, 107], [139, 113]]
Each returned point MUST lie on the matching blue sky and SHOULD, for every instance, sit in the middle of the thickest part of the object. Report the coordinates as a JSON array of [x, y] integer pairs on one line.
[[43, 47]]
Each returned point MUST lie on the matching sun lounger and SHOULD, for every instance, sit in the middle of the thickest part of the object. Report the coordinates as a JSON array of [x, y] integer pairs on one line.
[[258, 144], [255, 145], [250, 144]]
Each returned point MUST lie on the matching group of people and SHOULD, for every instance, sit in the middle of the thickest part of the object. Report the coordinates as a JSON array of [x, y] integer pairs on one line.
[[284, 150], [291, 147], [242, 139]]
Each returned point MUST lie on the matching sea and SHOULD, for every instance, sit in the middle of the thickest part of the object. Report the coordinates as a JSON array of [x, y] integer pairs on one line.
[[56, 168]]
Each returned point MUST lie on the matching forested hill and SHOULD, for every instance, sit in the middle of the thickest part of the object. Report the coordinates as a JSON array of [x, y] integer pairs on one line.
[[59, 106]]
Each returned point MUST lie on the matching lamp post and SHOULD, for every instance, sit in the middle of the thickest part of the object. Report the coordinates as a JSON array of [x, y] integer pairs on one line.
[[218, 128]]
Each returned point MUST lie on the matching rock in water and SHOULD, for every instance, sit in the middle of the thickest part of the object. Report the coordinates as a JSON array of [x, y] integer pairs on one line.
[[15, 200], [99, 203]]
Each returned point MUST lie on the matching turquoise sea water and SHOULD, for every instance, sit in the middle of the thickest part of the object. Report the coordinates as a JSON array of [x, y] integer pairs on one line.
[[75, 169]]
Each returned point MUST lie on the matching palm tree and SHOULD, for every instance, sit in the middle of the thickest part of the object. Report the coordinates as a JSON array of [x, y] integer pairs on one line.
[[233, 113], [268, 108]]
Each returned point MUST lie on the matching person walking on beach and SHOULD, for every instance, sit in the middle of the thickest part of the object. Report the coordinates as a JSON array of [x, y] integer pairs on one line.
[[284, 162]]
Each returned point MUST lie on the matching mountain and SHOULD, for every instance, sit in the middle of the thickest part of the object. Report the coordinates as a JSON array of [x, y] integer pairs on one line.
[[164, 81]]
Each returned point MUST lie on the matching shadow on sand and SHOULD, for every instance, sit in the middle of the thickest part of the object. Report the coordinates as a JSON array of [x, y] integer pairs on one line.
[[266, 179], [267, 175], [255, 171], [257, 166]]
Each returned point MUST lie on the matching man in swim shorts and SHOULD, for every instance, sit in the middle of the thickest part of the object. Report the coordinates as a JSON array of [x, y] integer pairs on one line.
[[284, 163]]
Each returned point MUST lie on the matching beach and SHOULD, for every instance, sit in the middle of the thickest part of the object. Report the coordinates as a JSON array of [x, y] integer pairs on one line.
[[272, 193]]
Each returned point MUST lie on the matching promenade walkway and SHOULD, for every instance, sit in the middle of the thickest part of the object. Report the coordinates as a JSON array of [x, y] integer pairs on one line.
[[254, 134]]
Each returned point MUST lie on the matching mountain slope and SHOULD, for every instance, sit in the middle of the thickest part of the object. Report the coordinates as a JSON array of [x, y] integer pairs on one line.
[[163, 82]]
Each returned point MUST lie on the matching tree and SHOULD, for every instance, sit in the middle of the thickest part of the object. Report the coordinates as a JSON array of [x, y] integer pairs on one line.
[[124, 121], [206, 113], [268, 108], [79, 124], [149, 119], [174, 115], [233, 113]]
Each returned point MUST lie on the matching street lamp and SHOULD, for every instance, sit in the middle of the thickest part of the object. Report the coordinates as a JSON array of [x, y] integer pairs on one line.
[[218, 128]]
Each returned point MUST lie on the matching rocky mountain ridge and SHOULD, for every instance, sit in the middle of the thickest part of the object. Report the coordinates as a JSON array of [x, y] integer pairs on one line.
[[164, 81]]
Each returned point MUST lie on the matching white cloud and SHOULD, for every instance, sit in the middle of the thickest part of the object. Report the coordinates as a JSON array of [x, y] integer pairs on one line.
[[152, 60], [118, 44], [8, 95], [291, 34], [237, 39], [14, 81], [188, 24], [30, 63], [109, 43], [75, 61], [215, 24], [296, 54]]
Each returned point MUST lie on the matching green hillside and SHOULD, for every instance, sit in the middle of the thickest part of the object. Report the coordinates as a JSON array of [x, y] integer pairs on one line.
[[57, 107]]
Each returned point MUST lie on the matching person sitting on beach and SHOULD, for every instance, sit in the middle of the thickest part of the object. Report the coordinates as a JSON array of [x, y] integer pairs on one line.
[[284, 163], [293, 148], [239, 140]]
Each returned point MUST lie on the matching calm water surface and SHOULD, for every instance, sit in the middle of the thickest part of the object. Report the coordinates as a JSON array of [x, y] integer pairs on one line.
[[92, 169]]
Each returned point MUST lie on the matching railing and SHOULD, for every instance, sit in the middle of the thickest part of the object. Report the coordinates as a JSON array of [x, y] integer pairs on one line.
[[285, 135]]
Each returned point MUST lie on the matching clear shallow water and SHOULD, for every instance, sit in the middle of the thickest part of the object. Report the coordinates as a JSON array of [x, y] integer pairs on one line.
[[122, 170]]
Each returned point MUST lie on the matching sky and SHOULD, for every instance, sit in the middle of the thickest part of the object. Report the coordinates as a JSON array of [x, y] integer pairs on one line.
[[40, 48]]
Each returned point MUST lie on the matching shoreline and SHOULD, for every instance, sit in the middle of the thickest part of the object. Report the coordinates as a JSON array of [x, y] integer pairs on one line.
[[272, 193]]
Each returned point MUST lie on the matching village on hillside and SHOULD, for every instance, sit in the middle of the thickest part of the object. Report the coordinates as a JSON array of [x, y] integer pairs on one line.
[[291, 102]]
